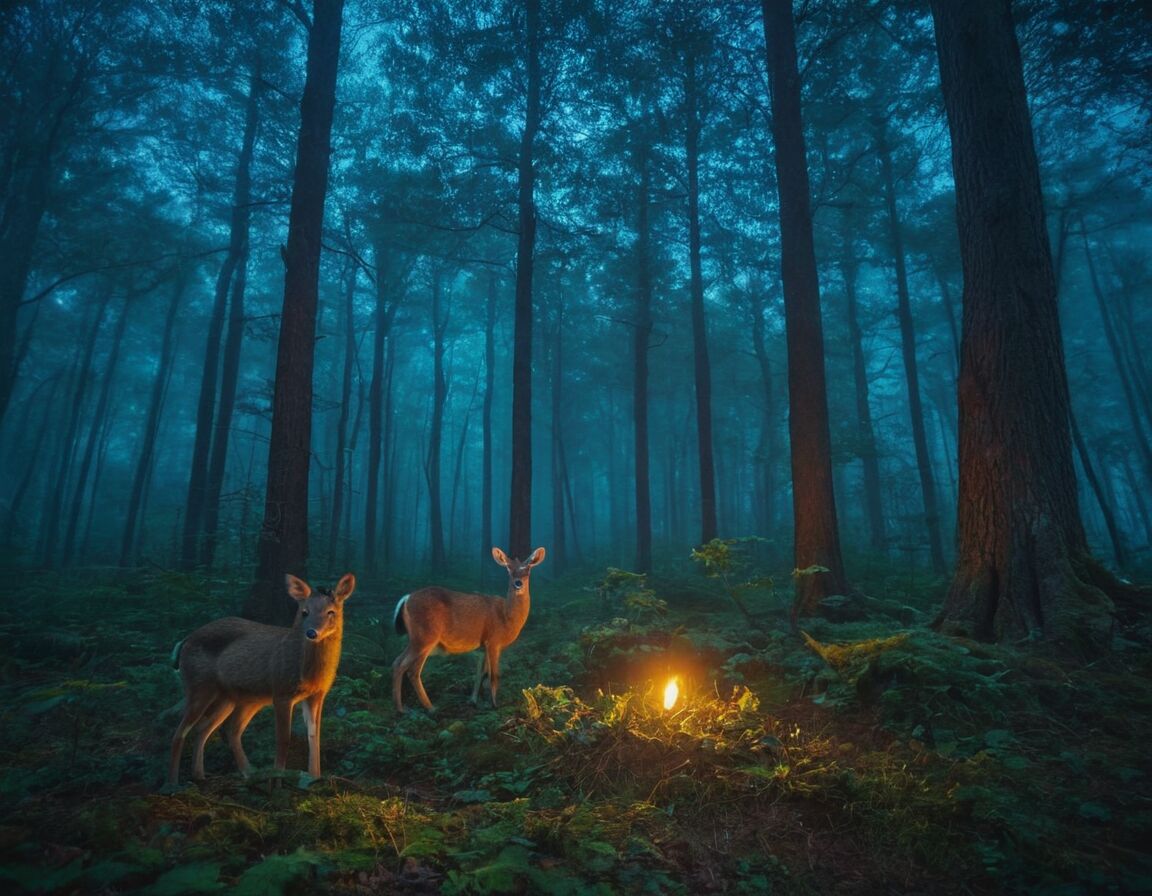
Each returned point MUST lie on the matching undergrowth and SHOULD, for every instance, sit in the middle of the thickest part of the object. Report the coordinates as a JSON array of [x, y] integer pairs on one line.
[[865, 754]]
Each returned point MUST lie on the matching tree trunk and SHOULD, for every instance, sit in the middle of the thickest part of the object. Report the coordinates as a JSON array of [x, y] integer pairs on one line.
[[817, 539], [143, 471], [701, 365], [486, 543], [520, 502], [1023, 564], [641, 334], [200, 505], [98, 417], [558, 550], [1114, 534], [767, 446], [908, 351], [340, 463], [283, 542], [436, 427], [869, 455]]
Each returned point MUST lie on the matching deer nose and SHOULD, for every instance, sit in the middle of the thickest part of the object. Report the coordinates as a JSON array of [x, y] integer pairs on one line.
[[311, 634]]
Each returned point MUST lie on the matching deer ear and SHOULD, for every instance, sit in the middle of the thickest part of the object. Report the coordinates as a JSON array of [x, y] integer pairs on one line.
[[297, 588], [345, 587], [537, 556], [499, 556]]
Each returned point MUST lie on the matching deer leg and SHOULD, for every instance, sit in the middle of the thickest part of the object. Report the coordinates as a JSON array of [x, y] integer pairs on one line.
[[236, 725], [493, 670], [193, 710], [399, 667], [283, 710], [481, 669], [311, 708], [414, 674], [213, 718]]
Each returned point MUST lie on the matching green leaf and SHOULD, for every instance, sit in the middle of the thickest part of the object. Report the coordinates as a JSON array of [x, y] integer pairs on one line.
[[275, 873], [199, 877]]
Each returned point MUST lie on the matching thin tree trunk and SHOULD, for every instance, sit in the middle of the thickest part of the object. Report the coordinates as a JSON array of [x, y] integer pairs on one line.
[[143, 470], [436, 427], [98, 417], [558, 550], [283, 542], [641, 334], [520, 501], [869, 455], [1139, 436], [767, 447], [341, 462], [817, 538], [908, 351], [486, 543], [208, 429], [701, 365], [1114, 534]]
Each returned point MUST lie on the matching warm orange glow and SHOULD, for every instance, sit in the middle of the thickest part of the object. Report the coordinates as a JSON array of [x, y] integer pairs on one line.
[[671, 693]]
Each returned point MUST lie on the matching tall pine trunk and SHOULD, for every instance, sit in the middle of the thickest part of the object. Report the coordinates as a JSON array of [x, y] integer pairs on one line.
[[701, 365], [283, 542], [208, 427], [143, 470], [817, 538], [1023, 566], [866, 433], [520, 502], [436, 426], [908, 352], [340, 462], [486, 543], [641, 334]]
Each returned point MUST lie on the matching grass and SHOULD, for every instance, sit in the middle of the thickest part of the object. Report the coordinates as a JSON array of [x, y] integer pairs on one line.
[[875, 757]]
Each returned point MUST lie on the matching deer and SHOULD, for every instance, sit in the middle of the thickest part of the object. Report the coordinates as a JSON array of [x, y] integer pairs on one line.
[[440, 620], [232, 668]]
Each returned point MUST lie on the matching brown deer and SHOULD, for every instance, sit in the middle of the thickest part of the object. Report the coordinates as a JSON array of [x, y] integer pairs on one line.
[[435, 618], [232, 668]]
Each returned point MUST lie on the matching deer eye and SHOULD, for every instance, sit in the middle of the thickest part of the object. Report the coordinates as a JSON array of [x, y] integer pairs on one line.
[[303, 612]]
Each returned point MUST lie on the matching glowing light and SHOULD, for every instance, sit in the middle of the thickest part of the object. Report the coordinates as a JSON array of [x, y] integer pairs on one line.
[[671, 693]]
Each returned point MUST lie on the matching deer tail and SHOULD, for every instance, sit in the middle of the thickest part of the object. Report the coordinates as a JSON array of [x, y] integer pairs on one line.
[[398, 616]]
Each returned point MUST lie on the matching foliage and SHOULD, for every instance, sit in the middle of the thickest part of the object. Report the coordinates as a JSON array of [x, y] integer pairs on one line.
[[872, 754]]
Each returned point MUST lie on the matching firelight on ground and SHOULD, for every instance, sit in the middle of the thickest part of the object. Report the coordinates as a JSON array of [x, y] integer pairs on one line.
[[671, 693]]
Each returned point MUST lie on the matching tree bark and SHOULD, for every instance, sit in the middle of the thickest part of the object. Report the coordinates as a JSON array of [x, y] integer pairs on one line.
[[486, 543], [817, 538], [520, 502], [340, 462], [283, 542], [1023, 566]]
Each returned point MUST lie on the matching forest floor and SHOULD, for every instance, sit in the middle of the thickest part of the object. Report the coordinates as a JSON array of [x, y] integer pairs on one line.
[[876, 757]]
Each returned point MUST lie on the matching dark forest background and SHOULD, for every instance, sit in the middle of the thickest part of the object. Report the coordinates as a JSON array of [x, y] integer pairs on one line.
[[147, 173]]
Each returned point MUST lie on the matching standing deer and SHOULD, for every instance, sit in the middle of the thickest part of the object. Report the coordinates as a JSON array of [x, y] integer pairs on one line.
[[436, 618], [232, 668]]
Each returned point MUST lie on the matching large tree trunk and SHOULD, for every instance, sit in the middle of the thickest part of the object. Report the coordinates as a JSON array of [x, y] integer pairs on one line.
[[283, 543], [701, 365], [520, 504], [813, 499], [143, 471], [1023, 563]]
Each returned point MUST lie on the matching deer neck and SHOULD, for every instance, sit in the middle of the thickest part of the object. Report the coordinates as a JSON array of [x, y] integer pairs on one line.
[[318, 659], [519, 603]]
